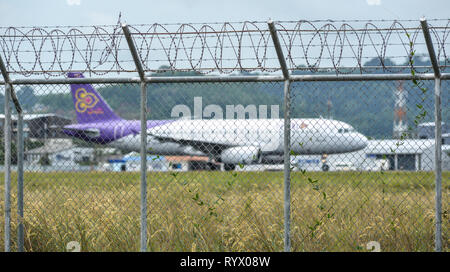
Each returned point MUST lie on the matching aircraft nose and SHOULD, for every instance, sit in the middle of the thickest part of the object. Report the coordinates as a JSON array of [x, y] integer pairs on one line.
[[360, 141]]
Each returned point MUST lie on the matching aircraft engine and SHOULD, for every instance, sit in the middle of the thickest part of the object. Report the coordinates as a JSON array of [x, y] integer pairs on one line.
[[272, 159], [241, 154]]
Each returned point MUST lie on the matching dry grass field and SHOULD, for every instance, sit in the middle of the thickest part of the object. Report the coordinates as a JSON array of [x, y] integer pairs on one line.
[[229, 211]]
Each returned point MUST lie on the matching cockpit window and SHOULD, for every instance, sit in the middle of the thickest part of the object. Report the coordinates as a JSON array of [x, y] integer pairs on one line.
[[346, 130]]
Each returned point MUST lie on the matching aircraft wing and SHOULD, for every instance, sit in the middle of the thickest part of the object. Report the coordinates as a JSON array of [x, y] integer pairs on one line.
[[204, 146], [89, 133]]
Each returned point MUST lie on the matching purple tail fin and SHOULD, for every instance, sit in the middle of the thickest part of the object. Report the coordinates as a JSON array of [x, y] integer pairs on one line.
[[89, 105]]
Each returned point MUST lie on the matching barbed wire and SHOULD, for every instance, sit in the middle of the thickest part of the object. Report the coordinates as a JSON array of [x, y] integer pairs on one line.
[[352, 46]]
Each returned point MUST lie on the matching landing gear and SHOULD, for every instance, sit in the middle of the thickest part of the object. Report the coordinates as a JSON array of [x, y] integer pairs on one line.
[[213, 166], [325, 166], [229, 166]]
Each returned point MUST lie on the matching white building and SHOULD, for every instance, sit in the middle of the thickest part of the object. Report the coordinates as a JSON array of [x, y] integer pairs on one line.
[[407, 155], [132, 162], [62, 156]]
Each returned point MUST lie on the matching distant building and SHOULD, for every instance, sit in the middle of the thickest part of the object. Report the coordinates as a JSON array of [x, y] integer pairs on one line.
[[446, 139], [115, 165], [409, 154], [426, 130], [62, 154], [39, 126], [392, 154], [132, 162]]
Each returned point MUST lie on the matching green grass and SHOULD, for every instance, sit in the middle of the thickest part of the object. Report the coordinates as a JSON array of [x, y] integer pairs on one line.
[[229, 211]]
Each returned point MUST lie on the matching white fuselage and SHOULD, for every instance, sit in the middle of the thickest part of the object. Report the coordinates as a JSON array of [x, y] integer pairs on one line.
[[308, 136]]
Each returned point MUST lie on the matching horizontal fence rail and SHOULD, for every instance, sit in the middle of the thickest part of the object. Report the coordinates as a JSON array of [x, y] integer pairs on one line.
[[186, 79]]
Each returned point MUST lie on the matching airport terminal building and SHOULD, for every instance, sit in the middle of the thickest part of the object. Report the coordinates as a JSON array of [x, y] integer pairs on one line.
[[388, 154], [392, 154]]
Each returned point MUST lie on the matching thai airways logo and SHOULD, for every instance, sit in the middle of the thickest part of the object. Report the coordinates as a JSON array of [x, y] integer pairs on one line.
[[86, 101]]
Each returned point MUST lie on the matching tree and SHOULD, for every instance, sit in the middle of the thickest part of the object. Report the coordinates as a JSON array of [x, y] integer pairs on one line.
[[26, 97]]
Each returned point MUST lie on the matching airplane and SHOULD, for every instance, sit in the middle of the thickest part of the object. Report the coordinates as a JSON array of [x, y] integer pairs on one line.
[[230, 141]]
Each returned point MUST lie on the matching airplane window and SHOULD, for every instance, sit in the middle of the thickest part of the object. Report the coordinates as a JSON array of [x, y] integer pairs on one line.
[[346, 130]]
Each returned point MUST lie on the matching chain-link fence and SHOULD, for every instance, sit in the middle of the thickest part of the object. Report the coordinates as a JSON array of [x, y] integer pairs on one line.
[[341, 152]]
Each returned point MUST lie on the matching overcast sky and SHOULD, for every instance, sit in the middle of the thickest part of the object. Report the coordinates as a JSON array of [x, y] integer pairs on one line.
[[88, 12]]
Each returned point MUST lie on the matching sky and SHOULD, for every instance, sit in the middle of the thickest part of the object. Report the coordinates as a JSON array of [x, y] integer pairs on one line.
[[106, 12]]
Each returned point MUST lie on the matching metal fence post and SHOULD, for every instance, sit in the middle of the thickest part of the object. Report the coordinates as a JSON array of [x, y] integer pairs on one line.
[[143, 166], [287, 137], [438, 134], [7, 164], [10, 93], [20, 146], [143, 116]]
